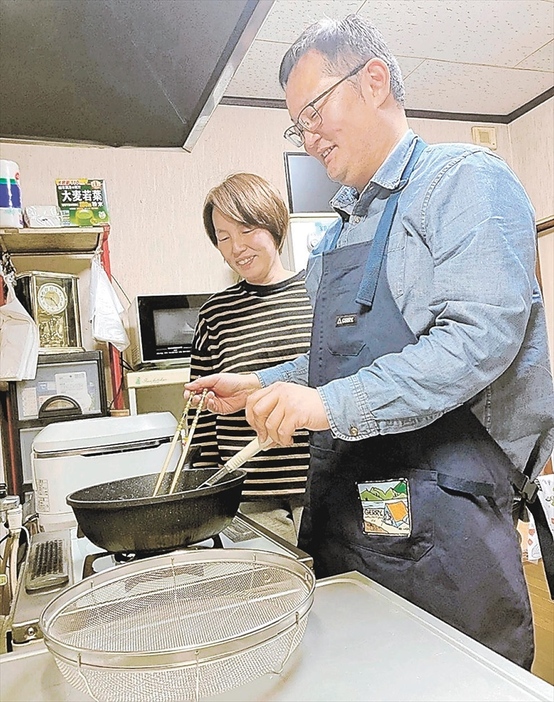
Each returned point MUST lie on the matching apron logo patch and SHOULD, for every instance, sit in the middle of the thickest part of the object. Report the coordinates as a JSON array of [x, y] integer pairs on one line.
[[346, 320], [386, 507]]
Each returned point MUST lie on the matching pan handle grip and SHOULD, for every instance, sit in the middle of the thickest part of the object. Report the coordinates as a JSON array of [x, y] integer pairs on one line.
[[236, 461], [245, 454]]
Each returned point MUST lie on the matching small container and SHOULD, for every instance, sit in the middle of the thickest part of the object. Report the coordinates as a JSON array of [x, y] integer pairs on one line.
[[11, 213]]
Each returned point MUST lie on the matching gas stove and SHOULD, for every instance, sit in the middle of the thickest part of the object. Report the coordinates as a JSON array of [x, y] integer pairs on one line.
[[58, 559]]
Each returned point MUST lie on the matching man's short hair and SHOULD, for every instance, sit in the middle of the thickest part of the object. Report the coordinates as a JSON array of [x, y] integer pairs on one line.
[[345, 44]]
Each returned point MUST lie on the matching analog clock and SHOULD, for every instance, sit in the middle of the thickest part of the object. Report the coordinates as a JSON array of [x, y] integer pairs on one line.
[[52, 298]]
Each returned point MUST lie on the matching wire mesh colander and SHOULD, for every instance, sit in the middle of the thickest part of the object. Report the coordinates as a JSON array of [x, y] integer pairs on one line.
[[180, 626]]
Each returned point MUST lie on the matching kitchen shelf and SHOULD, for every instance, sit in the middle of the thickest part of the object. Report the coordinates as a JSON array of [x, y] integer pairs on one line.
[[51, 241], [72, 242]]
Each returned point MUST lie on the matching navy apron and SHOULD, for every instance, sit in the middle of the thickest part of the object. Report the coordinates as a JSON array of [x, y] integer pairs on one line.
[[427, 513]]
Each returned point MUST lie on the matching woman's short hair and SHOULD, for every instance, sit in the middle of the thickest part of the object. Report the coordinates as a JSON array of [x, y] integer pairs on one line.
[[251, 200]]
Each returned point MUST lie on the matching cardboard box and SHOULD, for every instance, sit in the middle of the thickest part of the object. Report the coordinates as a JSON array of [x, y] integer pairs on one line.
[[82, 202]]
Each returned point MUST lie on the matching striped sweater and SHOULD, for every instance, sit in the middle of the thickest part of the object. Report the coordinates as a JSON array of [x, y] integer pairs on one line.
[[243, 329]]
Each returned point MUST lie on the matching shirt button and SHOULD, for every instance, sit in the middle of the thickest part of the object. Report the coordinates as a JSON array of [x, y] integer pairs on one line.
[[356, 219], [353, 431]]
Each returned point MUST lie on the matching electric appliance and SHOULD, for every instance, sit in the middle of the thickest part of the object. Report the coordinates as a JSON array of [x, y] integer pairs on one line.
[[305, 233], [68, 456], [161, 328], [66, 386]]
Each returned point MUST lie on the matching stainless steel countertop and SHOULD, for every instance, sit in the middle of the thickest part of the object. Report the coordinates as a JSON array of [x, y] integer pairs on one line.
[[362, 643]]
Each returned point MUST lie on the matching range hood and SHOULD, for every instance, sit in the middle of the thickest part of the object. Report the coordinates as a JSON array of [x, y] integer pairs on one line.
[[144, 73]]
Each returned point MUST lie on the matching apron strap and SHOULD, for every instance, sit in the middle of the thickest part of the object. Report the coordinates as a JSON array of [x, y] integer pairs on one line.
[[471, 487], [527, 490], [366, 291]]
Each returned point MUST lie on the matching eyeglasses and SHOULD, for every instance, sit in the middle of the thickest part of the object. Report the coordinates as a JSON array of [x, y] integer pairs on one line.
[[309, 118]]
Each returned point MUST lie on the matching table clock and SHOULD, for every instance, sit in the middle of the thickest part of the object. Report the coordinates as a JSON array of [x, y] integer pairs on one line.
[[52, 300]]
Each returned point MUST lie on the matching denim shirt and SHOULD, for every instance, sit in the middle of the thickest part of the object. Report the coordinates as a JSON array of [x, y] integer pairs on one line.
[[461, 268]]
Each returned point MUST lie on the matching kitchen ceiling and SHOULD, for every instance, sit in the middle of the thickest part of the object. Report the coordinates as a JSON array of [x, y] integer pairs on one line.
[[491, 58], [150, 72]]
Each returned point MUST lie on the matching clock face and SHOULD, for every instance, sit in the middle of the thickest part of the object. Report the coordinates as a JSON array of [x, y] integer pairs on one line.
[[52, 298]]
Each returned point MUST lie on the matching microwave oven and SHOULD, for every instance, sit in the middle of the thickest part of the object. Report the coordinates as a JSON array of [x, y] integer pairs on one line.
[[161, 328]]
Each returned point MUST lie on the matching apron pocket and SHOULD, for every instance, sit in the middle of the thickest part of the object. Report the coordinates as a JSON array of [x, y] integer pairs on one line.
[[384, 506], [346, 347], [402, 524]]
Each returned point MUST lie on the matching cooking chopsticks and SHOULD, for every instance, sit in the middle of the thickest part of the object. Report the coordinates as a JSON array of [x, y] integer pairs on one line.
[[188, 442], [235, 462], [182, 424]]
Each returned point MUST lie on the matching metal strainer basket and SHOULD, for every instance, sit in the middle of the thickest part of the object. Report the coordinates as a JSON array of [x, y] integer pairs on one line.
[[180, 626]]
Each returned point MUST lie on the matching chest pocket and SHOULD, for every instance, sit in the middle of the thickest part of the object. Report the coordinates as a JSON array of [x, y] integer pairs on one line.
[[346, 331], [344, 322], [347, 348]]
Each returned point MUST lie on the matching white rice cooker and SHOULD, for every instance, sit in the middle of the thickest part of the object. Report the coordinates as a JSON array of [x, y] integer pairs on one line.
[[68, 456]]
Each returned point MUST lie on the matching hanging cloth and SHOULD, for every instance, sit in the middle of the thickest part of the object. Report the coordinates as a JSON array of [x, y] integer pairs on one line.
[[19, 339], [105, 308]]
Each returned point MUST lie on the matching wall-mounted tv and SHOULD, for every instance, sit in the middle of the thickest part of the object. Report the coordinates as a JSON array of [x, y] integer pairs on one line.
[[309, 188]]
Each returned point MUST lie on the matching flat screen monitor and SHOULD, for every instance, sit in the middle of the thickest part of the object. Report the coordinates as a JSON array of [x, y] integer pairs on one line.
[[309, 188]]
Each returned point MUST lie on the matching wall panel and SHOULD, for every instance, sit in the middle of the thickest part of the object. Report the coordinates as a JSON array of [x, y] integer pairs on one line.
[[155, 196]]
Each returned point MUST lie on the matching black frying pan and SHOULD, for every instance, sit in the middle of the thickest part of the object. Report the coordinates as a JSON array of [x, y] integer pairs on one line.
[[123, 517]]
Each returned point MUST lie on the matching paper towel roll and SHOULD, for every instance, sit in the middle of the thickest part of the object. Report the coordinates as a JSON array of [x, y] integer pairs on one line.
[[11, 213]]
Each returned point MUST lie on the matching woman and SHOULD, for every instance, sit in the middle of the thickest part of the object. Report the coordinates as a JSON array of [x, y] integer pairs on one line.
[[262, 320]]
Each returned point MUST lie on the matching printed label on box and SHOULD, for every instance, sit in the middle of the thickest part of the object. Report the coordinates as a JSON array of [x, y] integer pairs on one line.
[[82, 202]]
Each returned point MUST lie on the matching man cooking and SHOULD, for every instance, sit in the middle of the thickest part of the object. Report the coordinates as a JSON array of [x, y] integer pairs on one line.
[[428, 382]]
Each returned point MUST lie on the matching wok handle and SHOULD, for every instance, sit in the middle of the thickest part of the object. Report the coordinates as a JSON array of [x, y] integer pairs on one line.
[[236, 461]]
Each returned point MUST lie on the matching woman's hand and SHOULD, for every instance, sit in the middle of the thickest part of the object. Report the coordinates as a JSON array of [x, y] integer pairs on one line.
[[280, 409], [227, 392]]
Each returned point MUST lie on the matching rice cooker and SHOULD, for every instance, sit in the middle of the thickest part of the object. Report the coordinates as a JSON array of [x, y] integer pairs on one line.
[[68, 456]]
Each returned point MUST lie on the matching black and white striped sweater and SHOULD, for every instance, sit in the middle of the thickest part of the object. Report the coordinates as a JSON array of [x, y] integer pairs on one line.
[[243, 329]]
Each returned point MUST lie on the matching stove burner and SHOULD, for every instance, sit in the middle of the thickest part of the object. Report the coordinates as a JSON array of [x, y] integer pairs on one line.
[[118, 558]]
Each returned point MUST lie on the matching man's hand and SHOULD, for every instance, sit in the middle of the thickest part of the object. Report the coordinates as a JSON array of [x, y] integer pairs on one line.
[[280, 409], [227, 392]]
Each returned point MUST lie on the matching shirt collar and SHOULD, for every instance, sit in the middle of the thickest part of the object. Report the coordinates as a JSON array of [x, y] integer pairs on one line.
[[388, 175]]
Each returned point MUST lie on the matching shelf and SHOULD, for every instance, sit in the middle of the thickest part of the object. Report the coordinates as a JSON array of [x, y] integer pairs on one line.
[[73, 242], [51, 241]]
